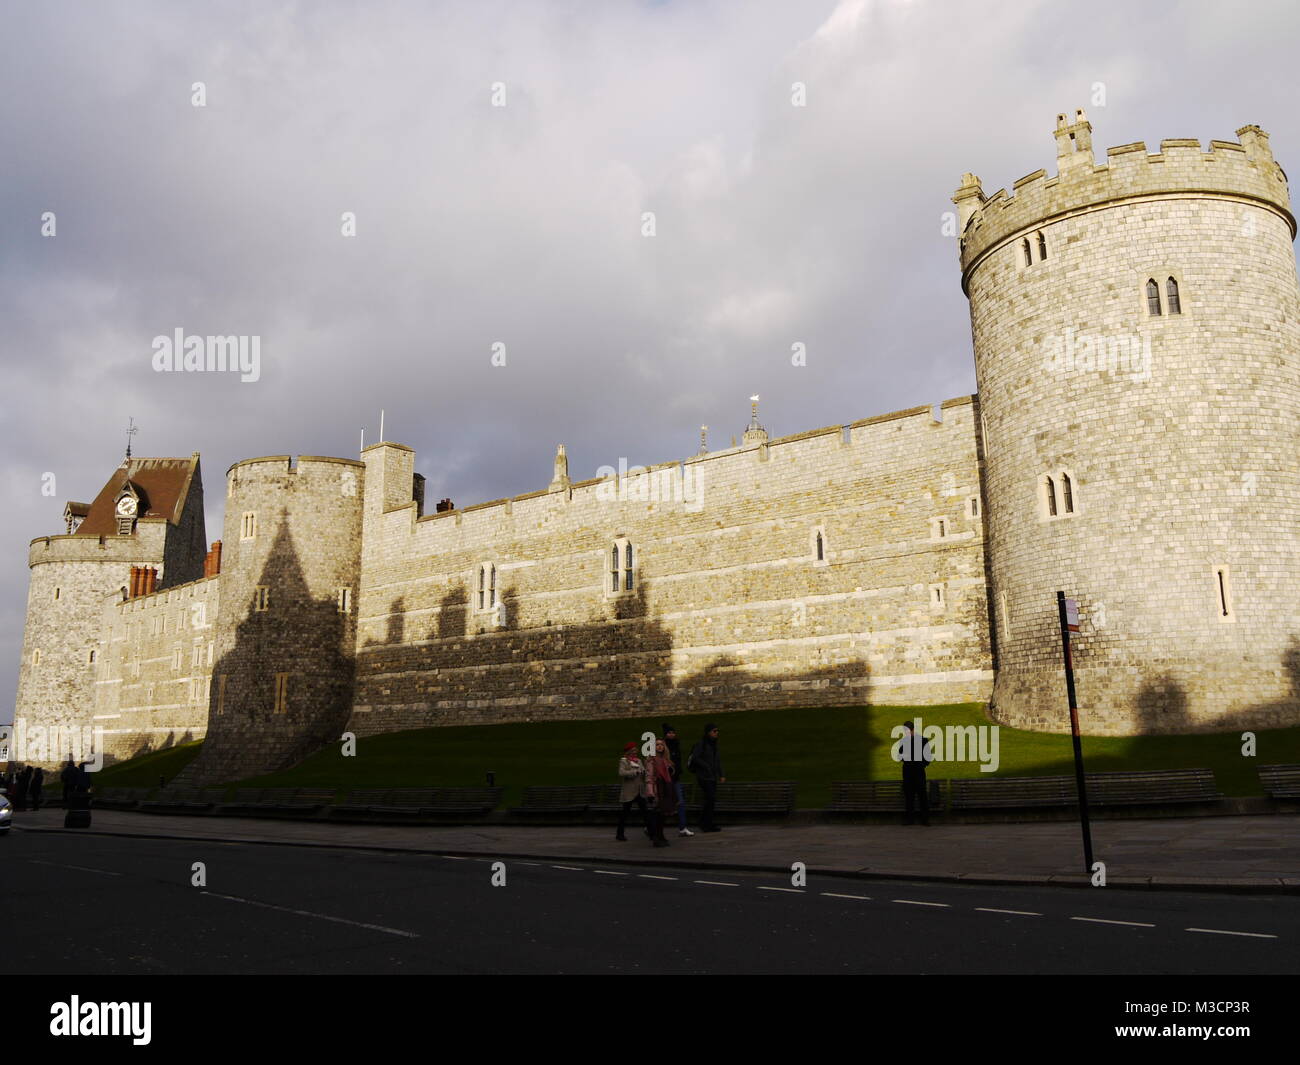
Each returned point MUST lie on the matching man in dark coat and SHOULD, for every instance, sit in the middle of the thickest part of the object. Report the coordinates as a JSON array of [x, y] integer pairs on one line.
[[706, 763], [915, 752], [674, 746], [34, 788], [68, 778]]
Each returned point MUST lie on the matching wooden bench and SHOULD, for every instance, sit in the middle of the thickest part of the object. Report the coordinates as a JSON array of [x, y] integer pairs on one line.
[[1280, 781], [541, 799], [184, 800], [1155, 787], [419, 802], [119, 798], [878, 796], [997, 793], [772, 798], [278, 802], [1142, 788]]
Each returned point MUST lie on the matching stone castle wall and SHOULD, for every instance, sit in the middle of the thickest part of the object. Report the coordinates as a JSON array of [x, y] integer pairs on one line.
[[282, 674], [1180, 434], [153, 675], [730, 607]]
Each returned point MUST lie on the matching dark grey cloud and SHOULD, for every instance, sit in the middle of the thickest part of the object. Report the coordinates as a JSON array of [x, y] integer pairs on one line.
[[521, 224]]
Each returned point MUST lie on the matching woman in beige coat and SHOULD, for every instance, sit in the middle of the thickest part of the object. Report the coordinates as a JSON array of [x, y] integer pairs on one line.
[[635, 789]]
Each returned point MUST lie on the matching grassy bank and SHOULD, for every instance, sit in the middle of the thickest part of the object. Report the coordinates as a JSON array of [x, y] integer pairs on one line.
[[813, 746]]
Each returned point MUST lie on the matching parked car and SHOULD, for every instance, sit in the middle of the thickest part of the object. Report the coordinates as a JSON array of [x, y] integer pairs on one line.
[[6, 814]]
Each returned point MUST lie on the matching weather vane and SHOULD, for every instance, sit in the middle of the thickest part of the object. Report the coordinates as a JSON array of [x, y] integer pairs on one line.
[[131, 430]]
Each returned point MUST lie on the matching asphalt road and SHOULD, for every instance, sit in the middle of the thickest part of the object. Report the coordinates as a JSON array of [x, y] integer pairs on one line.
[[99, 904]]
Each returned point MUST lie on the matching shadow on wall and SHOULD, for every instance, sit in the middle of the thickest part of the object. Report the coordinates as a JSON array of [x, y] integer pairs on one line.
[[620, 665], [287, 679], [1161, 704]]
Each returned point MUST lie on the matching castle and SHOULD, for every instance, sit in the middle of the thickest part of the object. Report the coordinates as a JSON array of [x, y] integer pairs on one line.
[[1135, 442]]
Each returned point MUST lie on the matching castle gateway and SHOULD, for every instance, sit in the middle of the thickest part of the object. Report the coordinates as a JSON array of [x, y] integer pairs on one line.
[[1135, 442]]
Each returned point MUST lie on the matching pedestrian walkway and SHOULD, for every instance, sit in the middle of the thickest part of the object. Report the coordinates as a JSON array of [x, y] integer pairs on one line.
[[1223, 853]]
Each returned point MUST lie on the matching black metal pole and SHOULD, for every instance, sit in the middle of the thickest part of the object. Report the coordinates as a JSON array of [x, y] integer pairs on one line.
[[1074, 731]]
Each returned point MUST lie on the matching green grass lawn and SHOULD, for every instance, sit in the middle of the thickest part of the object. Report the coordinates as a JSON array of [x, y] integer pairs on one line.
[[144, 771], [813, 746]]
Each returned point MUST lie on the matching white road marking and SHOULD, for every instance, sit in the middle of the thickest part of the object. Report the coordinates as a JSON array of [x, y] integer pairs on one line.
[[571, 868], [319, 916], [794, 890], [914, 902], [79, 868], [716, 883], [608, 872], [1018, 913], [1102, 920], [528, 863], [648, 876], [834, 895], [1226, 932], [455, 858]]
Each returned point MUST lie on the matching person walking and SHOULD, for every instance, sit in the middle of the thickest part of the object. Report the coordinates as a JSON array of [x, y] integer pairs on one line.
[[706, 763], [659, 773], [916, 753], [674, 746], [34, 789], [635, 789]]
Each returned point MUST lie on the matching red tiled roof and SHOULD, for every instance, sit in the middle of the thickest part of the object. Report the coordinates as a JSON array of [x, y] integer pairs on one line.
[[162, 485]]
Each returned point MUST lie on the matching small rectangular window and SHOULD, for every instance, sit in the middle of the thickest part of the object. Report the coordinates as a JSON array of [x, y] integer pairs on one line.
[[248, 525], [344, 600], [281, 692], [261, 597]]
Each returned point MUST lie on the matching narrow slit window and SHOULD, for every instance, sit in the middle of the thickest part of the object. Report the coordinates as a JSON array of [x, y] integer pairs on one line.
[[1042, 247], [821, 548], [1028, 252], [1171, 293], [1153, 298], [1223, 590]]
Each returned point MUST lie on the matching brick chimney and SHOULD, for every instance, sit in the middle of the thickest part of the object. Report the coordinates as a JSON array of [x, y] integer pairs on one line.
[[212, 561]]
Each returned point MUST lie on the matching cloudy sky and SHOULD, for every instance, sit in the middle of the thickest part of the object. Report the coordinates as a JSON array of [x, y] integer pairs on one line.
[[522, 224]]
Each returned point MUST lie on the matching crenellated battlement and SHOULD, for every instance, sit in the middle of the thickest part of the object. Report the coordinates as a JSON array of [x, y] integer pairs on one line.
[[145, 546], [1242, 170]]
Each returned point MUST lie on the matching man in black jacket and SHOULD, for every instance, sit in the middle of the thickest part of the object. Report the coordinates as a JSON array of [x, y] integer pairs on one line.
[[915, 752], [706, 763]]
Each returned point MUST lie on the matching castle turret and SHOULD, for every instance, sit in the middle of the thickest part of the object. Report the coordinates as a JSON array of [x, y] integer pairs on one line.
[[1136, 328], [147, 519], [290, 572]]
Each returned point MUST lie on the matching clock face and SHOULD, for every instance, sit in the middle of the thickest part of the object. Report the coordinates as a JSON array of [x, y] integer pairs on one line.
[[126, 506]]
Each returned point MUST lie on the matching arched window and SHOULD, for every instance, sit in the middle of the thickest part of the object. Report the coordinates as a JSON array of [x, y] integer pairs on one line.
[[1029, 257], [1171, 291], [627, 567], [492, 586], [482, 588], [1050, 486], [614, 570], [1153, 298], [1067, 493], [622, 568], [1042, 247]]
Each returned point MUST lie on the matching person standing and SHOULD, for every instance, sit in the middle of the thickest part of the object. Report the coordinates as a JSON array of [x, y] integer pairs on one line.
[[34, 789], [659, 773], [706, 763], [631, 771], [68, 778], [20, 792], [916, 753], [674, 746]]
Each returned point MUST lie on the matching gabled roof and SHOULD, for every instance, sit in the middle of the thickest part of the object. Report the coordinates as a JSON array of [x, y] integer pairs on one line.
[[161, 484]]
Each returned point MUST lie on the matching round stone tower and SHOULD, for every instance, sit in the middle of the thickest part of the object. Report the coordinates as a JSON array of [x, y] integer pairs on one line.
[[1136, 329], [291, 554]]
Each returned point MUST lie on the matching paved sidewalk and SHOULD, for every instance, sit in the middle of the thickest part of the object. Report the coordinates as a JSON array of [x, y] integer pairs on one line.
[[1209, 853]]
